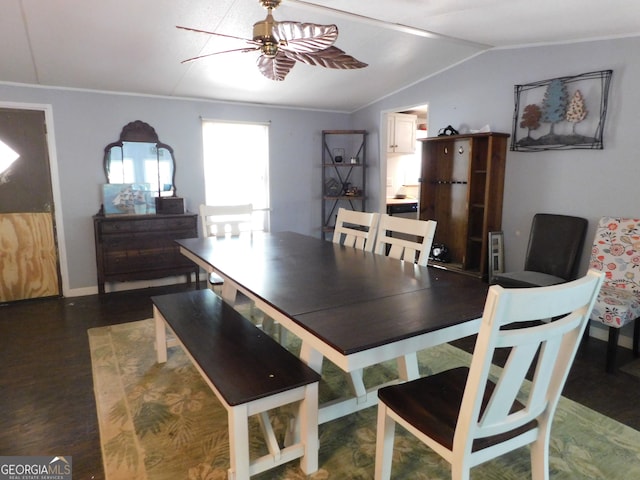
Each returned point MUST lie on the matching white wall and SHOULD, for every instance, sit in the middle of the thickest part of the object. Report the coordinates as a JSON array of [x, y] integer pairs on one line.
[[85, 122], [587, 183]]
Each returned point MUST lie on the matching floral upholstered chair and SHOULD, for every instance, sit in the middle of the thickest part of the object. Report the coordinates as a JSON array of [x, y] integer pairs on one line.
[[616, 252]]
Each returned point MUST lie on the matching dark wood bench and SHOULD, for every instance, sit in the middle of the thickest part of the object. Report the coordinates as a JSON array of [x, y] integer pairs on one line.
[[249, 372]]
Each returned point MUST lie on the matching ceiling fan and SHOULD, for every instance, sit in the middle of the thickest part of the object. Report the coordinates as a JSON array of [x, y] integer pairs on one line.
[[282, 44]]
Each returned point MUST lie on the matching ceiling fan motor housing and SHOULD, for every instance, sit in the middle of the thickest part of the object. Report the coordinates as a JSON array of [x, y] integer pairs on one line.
[[263, 34]]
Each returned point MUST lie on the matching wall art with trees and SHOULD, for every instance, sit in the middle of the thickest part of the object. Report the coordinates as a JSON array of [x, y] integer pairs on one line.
[[561, 113]]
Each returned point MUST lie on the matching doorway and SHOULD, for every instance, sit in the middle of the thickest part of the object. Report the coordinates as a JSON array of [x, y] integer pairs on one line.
[[400, 172], [29, 254]]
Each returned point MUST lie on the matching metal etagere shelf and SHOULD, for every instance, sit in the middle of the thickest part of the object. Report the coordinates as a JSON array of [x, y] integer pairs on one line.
[[343, 174]]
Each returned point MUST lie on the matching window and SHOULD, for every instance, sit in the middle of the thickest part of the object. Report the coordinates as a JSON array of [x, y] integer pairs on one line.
[[7, 156], [236, 166]]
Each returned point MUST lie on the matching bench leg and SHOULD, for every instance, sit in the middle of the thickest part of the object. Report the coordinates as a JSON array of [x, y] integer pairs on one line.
[[269, 436], [308, 417], [238, 417], [161, 336]]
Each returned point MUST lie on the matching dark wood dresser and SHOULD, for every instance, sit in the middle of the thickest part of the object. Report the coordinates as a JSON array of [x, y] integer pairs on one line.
[[141, 247]]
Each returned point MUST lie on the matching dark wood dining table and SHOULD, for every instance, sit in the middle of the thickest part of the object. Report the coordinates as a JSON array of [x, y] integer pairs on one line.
[[355, 308]]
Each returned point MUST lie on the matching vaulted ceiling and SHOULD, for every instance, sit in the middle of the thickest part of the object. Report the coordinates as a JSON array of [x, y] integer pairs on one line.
[[133, 46]]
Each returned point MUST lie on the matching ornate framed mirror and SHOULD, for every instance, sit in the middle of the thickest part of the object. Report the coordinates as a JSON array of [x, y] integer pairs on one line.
[[139, 157]]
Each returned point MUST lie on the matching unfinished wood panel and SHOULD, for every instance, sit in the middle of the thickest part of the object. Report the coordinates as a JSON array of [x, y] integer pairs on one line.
[[28, 259]]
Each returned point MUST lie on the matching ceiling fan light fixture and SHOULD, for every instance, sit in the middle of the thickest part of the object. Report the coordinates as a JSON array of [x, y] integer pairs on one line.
[[269, 49]]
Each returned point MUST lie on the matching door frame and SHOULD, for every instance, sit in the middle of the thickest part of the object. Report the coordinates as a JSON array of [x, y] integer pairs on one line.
[[382, 139], [55, 185]]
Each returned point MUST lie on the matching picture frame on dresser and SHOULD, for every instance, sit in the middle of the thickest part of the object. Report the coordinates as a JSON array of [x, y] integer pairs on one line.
[[128, 199]]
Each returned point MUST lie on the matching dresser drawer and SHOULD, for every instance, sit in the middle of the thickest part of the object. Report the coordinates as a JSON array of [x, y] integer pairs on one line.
[[143, 240], [142, 247], [148, 225], [132, 261]]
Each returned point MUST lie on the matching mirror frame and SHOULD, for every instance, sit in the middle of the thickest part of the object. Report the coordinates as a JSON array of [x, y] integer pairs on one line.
[[139, 131]]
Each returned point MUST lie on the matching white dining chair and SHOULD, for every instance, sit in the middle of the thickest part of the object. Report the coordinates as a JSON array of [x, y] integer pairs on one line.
[[224, 220], [232, 221], [468, 416], [356, 229], [405, 238]]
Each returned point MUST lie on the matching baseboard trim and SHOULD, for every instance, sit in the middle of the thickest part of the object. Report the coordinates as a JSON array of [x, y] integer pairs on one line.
[[132, 285], [600, 333]]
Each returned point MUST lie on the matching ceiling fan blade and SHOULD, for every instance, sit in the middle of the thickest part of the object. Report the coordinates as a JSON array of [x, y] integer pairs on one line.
[[331, 57], [275, 68], [244, 50], [304, 37], [248, 40]]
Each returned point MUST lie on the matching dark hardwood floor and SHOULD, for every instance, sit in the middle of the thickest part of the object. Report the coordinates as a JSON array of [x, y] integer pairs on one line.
[[46, 390]]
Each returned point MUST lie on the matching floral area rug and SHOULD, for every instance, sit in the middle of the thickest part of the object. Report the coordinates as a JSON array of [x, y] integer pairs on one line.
[[162, 422]]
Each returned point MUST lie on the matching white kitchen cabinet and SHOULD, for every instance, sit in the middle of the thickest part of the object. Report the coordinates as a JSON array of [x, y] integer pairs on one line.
[[401, 133]]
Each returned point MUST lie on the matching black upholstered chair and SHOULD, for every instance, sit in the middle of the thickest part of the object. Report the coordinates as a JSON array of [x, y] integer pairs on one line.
[[553, 254]]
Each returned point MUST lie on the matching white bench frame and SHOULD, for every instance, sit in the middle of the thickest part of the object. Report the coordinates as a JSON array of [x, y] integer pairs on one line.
[[303, 443]]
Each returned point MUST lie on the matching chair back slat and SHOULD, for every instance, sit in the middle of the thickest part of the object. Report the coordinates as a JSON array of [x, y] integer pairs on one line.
[[509, 384], [546, 348], [399, 246], [222, 220], [356, 229]]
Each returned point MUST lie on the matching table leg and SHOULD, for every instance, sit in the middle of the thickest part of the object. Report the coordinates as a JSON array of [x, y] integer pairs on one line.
[[229, 292], [357, 384], [311, 357], [161, 336], [408, 367]]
